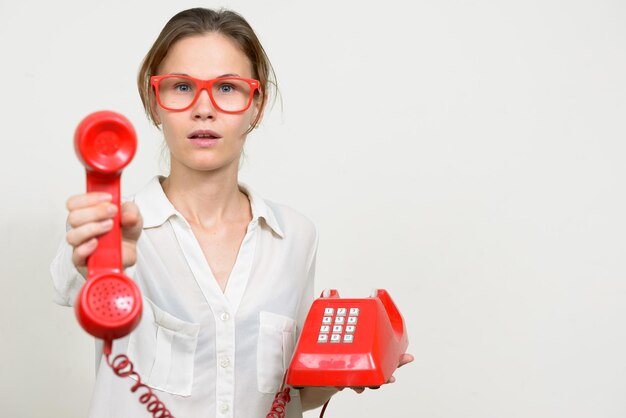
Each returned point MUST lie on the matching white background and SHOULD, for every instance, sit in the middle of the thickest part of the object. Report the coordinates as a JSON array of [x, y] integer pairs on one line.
[[465, 155]]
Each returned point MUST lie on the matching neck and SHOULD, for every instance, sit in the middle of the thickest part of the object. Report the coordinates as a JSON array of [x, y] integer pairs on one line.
[[206, 198]]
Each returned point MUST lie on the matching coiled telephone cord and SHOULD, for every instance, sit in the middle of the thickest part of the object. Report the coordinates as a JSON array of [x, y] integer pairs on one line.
[[279, 405], [123, 367], [281, 399]]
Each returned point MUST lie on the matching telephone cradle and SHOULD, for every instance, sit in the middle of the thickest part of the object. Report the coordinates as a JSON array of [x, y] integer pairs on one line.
[[349, 342]]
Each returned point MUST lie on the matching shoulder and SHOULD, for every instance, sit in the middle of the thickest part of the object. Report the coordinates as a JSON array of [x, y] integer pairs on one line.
[[292, 221], [152, 203], [146, 192], [298, 232], [285, 221]]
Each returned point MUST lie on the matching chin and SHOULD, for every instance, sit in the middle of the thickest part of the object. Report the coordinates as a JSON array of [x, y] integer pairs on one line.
[[211, 164]]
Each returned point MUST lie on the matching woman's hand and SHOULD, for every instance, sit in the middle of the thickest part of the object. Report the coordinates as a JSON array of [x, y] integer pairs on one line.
[[91, 215], [404, 359]]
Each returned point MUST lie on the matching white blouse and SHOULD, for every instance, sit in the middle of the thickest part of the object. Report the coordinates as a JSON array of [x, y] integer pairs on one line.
[[205, 352]]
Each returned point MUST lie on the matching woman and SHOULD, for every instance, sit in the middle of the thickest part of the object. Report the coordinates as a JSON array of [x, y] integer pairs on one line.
[[227, 277]]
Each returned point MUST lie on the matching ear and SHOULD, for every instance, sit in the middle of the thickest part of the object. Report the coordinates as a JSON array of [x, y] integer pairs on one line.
[[259, 109]]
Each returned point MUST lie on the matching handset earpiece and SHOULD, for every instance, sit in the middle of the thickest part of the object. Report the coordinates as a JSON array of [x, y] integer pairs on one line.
[[109, 304]]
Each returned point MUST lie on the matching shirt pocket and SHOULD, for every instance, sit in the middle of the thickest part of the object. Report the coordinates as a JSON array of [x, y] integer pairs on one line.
[[163, 350], [277, 340]]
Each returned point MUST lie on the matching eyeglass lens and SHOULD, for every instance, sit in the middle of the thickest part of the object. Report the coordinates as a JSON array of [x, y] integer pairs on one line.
[[229, 94]]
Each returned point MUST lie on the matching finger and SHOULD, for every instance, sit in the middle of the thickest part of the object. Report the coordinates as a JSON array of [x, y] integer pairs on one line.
[[87, 199], [405, 359], [391, 379], [99, 212], [81, 252], [78, 236]]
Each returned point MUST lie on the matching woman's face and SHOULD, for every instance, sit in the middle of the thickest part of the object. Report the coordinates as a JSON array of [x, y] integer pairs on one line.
[[205, 57]]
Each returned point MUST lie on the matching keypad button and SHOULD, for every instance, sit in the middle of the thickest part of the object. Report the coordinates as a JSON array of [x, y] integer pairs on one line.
[[325, 329], [348, 338], [327, 320], [352, 320], [341, 311], [350, 329], [340, 320], [335, 338], [329, 311], [354, 311], [337, 329], [322, 338]]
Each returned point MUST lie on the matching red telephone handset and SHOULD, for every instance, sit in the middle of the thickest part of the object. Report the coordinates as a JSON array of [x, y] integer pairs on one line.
[[109, 304], [349, 342]]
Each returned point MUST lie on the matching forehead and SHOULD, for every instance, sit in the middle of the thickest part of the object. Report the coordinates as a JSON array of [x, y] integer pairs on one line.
[[206, 56]]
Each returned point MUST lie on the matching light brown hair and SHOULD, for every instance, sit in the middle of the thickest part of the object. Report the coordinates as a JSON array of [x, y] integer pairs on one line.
[[199, 21]]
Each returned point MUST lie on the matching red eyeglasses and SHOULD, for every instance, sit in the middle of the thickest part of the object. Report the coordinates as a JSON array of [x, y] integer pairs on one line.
[[228, 94]]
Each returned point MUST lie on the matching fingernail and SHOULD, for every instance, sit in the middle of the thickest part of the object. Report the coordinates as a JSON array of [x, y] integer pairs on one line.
[[105, 197], [111, 209], [107, 224]]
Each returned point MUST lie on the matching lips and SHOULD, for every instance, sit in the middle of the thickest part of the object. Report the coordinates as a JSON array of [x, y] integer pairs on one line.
[[204, 134]]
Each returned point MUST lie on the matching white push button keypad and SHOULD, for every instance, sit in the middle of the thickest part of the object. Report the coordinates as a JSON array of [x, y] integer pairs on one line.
[[339, 328]]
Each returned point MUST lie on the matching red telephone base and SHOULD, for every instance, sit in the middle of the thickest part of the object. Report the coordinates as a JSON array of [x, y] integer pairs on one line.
[[349, 342]]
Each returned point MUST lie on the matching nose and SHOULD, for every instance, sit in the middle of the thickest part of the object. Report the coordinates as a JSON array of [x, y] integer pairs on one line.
[[203, 108]]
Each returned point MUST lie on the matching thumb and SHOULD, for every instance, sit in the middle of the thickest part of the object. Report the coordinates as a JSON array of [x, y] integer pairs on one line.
[[131, 220]]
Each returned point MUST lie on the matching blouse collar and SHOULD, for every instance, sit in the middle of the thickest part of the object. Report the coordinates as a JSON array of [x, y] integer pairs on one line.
[[156, 208]]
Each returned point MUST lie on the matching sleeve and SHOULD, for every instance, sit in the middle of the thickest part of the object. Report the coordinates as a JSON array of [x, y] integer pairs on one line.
[[66, 279], [307, 296]]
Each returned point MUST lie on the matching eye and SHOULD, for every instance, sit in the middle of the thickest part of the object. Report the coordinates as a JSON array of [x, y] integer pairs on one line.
[[182, 87], [226, 88]]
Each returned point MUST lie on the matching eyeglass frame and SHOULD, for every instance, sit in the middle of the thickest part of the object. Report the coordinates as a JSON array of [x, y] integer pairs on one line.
[[204, 85]]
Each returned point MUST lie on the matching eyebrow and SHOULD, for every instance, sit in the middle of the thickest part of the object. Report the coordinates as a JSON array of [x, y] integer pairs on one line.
[[219, 76]]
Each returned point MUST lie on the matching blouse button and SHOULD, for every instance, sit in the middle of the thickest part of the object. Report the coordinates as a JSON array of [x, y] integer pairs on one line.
[[224, 316], [224, 408], [224, 362]]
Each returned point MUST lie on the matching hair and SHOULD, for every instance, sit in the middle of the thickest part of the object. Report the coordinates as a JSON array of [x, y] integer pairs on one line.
[[199, 21]]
